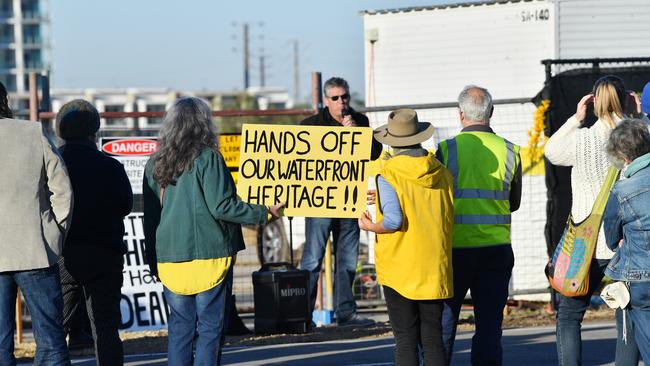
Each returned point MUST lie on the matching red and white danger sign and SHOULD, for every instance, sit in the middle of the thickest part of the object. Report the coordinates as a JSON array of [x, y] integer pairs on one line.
[[130, 147], [133, 153]]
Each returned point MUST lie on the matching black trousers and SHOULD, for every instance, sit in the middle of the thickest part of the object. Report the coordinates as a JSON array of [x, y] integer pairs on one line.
[[101, 294], [416, 324]]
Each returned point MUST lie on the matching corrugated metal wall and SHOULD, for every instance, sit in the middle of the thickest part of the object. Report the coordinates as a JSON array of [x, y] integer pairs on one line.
[[603, 28]]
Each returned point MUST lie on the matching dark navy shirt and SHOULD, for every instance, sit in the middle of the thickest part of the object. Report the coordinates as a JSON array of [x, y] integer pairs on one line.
[[102, 197]]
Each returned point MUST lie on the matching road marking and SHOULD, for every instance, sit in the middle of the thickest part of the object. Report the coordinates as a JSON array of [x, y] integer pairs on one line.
[[295, 358]]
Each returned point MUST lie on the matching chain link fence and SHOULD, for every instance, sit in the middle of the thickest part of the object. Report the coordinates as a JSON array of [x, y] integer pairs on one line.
[[512, 120]]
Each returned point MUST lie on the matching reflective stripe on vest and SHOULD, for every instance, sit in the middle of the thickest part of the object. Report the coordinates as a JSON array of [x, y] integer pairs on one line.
[[452, 160], [482, 193], [482, 219], [510, 165]]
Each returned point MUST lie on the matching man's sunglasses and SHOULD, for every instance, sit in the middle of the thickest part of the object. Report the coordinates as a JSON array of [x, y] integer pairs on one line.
[[345, 96]]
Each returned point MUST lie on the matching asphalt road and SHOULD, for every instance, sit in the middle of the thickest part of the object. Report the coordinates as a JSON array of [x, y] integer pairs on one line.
[[523, 346]]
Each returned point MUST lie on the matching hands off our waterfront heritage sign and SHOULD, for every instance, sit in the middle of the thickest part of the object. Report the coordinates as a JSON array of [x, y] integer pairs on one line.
[[317, 171]]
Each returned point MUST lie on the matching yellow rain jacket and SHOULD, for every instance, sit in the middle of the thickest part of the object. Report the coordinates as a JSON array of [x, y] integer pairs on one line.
[[415, 260]]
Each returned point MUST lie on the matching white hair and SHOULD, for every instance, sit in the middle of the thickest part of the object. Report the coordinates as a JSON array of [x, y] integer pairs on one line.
[[476, 103]]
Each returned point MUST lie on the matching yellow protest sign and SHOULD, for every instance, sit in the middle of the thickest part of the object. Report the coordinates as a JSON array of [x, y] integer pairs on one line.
[[229, 148], [318, 171]]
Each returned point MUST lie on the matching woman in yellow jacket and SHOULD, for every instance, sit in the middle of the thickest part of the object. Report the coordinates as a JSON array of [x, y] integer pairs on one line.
[[415, 217]]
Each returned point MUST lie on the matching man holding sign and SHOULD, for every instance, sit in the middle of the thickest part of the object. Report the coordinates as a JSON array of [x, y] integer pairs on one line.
[[337, 113]]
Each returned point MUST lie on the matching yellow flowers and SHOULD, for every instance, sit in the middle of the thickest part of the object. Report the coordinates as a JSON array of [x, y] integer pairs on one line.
[[535, 149]]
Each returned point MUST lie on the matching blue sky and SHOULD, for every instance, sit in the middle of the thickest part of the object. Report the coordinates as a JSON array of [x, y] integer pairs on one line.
[[189, 44]]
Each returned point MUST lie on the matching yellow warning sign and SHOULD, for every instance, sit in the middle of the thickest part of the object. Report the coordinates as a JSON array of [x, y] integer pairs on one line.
[[229, 148]]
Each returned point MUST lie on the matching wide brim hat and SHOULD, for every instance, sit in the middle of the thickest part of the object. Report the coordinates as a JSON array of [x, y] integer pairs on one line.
[[403, 129]]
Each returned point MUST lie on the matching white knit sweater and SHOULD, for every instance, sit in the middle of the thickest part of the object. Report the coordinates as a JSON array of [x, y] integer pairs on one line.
[[584, 150]]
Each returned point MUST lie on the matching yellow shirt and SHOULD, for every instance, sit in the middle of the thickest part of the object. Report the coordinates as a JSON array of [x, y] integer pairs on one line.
[[193, 277]]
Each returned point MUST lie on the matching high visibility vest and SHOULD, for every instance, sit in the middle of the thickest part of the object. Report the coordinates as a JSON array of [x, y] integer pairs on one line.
[[483, 165]]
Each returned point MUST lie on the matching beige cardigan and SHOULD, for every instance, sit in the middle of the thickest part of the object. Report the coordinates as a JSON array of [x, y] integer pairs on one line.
[[35, 198], [584, 150]]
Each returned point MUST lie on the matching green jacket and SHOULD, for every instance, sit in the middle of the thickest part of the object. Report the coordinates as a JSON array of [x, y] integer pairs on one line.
[[202, 214]]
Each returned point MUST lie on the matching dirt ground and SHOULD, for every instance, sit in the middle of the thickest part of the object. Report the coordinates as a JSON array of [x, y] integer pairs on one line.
[[519, 315]]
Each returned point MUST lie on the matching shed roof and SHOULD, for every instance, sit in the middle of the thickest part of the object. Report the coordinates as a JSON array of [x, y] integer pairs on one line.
[[466, 4]]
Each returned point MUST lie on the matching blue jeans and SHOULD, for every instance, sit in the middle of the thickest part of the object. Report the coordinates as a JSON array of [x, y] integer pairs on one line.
[[639, 316], [571, 311], [486, 273], [42, 291], [204, 313], [346, 246]]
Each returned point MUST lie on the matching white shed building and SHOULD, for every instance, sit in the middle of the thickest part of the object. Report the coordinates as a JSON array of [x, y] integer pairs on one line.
[[428, 54]]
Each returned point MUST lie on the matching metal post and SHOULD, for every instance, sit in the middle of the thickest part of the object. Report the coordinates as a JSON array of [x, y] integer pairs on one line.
[[33, 97], [329, 289], [262, 71], [316, 91], [547, 69], [596, 67], [318, 305], [296, 73], [19, 318], [291, 239], [33, 116], [46, 102], [246, 64]]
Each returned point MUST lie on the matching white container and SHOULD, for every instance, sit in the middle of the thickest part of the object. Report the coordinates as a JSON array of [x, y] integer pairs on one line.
[[428, 54]]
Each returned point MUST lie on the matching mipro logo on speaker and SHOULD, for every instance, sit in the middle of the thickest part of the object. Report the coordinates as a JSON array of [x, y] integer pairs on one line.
[[292, 291]]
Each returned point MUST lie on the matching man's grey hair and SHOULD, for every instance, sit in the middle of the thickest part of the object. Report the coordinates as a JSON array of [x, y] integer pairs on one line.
[[629, 140], [335, 82], [476, 103]]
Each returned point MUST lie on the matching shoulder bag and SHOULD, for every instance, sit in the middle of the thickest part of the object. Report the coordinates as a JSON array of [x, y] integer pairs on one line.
[[568, 270]]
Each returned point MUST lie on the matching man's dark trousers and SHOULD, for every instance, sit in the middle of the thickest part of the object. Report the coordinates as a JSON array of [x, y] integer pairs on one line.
[[102, 294], [486, 273]]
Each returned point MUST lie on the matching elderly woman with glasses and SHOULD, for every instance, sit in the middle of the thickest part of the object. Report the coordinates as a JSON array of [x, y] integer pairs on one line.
[[627, 223]]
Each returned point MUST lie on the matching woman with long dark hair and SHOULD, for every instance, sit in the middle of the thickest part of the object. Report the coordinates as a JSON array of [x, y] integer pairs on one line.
[[192, 219], [584, 150]]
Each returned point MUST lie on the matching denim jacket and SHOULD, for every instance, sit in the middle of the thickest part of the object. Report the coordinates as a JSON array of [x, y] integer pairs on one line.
[[627, 217]]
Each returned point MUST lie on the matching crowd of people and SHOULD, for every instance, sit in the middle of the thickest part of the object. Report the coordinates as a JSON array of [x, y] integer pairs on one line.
[[442, 227]]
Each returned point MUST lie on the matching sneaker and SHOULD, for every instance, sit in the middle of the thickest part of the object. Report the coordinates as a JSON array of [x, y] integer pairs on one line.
[[355, 321]]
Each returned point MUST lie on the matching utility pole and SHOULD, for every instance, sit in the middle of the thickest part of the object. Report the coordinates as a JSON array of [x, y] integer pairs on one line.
[[262, 70], [246, 64], [296, 72]]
